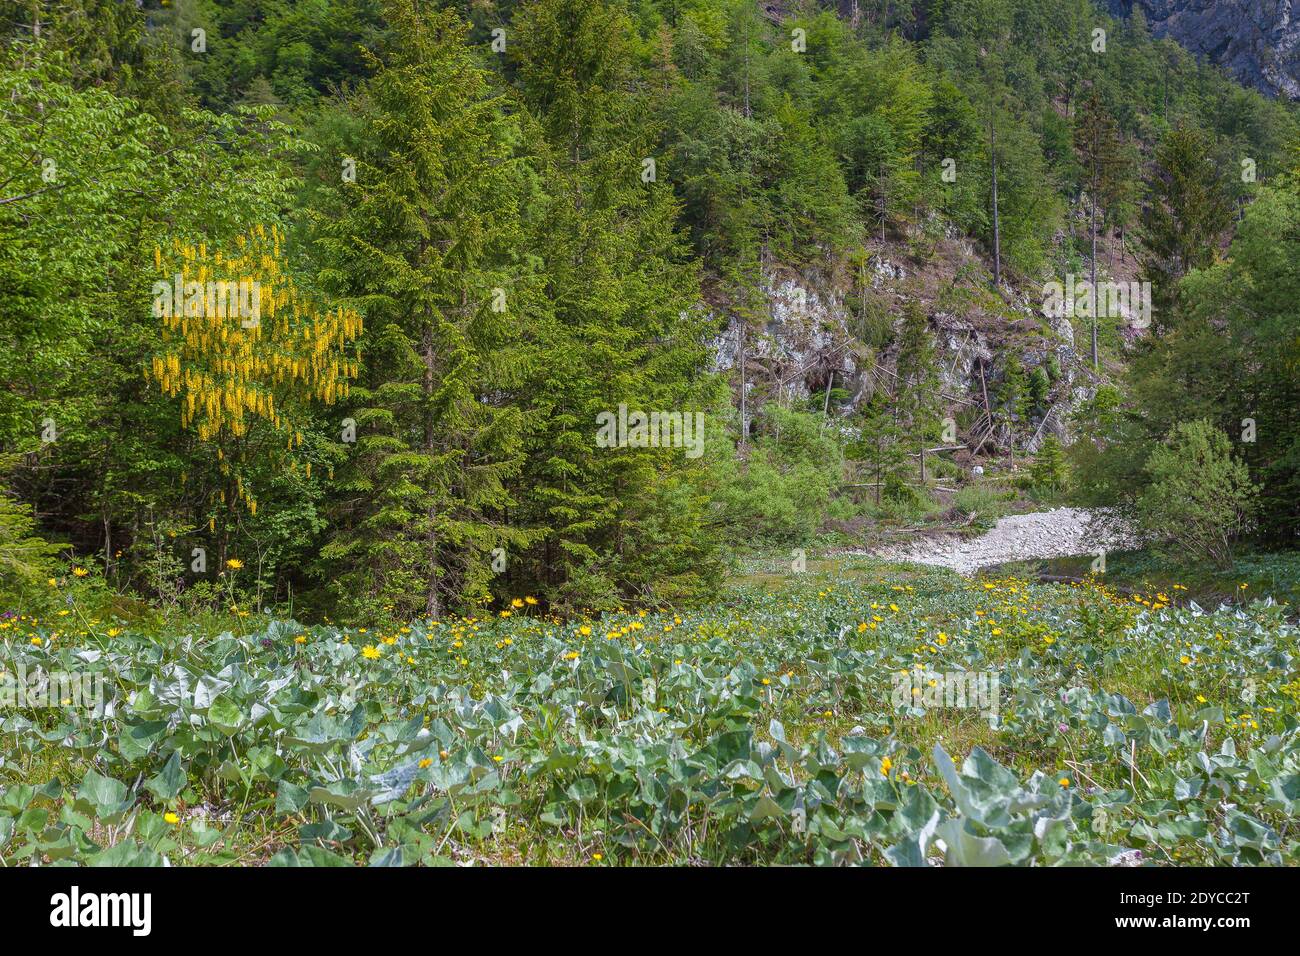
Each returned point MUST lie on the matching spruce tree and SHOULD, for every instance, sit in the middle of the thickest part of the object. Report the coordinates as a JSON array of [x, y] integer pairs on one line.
[[1097, 142], [918, 401], [1189, 210], [623, 328], [426, 240], [880, 446]]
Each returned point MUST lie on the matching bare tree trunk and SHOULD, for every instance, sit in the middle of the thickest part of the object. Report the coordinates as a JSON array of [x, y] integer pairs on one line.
[[744, 408], [1092, 228], [432, 604], [997, 232]]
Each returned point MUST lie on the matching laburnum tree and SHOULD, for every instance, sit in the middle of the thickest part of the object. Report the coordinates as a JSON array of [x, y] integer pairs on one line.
[[92, 181], [425, 240], [240, 344]]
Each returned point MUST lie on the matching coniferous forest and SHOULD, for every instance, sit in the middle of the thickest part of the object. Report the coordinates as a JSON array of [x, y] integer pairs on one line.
[[713, 431]]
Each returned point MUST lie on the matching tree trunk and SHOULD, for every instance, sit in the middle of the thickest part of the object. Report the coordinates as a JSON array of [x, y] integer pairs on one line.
[[1092, 229], [432, 605], [997, 233], [744, 407]]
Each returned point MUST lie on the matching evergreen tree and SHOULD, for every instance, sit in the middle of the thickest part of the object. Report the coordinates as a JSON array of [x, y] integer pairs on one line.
[[1049, 470], [880, 445], [1097, 142], [918, 401], [623, 329], [1012, 395], [1188, 212], [427, 242]]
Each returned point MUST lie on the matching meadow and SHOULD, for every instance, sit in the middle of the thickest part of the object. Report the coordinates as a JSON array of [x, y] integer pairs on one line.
[[765, 728]]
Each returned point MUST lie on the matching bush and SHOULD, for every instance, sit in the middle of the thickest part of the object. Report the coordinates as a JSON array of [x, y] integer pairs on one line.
[[1200, 498], [26, 559], [1049, 471], [981, 500], [783, 492]]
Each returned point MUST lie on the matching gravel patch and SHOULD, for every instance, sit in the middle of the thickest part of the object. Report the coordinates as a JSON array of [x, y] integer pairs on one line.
[[1058, 533]]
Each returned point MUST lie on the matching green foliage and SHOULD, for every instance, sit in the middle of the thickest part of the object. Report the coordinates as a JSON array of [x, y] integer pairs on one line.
[[1189, 211], [427, 241], [426, 743], [1200, 496], [1228, 356], [1049, 470], [981, 502], [781, 493], [26, 559], [524, 170]]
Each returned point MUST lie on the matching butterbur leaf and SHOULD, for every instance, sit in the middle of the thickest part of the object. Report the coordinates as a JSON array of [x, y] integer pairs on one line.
[[225, 715], [169, 781], [766, 807], [104, 795]]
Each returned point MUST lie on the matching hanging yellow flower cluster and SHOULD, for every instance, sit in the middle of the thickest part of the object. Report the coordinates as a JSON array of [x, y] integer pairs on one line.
[[241, 341]]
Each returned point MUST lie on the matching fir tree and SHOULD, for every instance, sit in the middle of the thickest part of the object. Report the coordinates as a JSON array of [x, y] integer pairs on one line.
[[623, 327], [1097, 142], [427, 241], [1189, 210]]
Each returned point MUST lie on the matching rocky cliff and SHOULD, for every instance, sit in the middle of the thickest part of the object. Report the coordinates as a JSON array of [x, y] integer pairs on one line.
[[1257, 41]]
